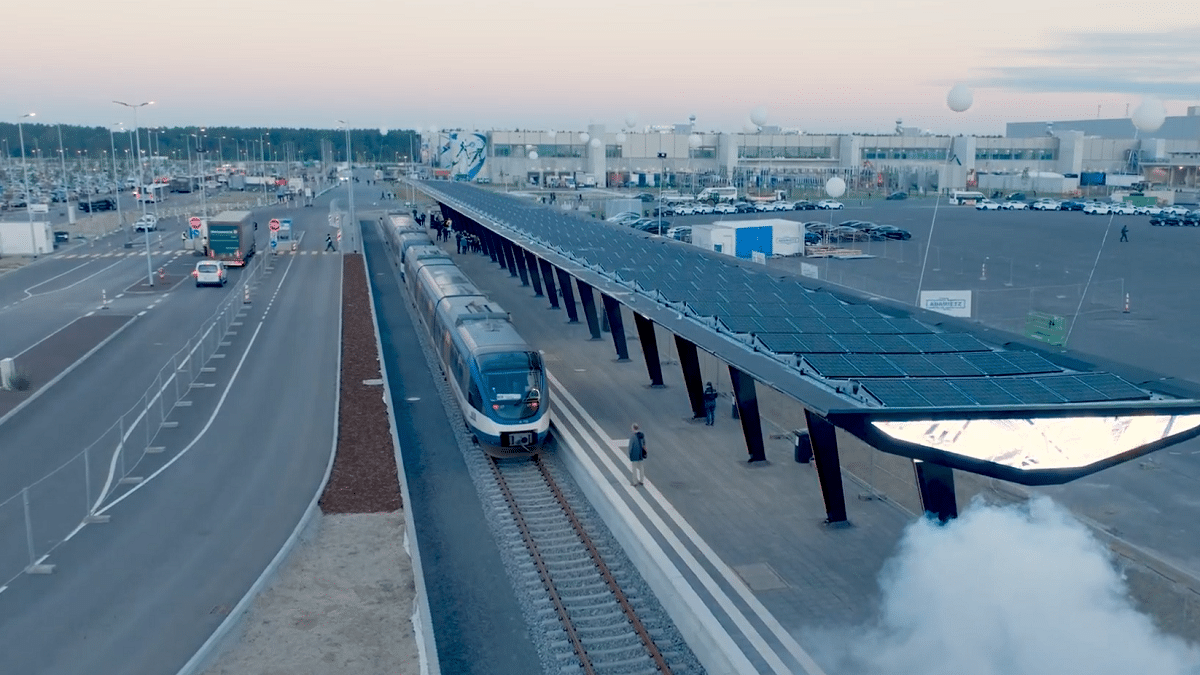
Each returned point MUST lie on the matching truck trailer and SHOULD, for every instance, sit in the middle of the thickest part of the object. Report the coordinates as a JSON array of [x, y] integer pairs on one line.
[[231, 237]]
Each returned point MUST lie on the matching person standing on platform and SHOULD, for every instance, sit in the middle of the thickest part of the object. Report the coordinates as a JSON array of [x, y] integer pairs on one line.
[[710, 404], [637, 455]]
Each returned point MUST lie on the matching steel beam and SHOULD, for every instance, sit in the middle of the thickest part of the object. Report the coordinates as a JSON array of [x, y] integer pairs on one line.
[[645, 329], [823, 436], [531, 261], [689, 362], [936, 486], [588, 300], [548, 275], [568, 295], [612, 309], [747, 406]]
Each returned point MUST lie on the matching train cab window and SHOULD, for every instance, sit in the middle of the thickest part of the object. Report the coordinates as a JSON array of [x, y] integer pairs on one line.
[[474, 398], [512, 383]]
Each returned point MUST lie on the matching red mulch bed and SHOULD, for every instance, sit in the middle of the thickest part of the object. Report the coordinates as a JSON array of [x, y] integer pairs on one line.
[[364, 476]]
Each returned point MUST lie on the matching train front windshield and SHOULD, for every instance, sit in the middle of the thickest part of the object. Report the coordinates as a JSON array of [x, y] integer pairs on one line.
[[513, 384]]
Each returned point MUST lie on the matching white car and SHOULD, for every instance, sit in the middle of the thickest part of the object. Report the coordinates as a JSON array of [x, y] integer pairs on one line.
[[826, 204], [1014, 206], [1096, 209], [684, 210], [146, 223], [210, 273], [1122, 209], [724, 208], [1046, 205], [1174, 211], [987, 205], [623, 216], [1147, 210]]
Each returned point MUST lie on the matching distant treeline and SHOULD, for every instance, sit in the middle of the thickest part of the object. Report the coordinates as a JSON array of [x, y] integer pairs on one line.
[[231, 142]]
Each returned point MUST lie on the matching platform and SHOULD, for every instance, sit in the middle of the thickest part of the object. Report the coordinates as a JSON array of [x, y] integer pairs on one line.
[[749, 538]]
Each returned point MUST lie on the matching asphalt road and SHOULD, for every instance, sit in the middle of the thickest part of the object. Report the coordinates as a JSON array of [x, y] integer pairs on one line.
[[142, 592]]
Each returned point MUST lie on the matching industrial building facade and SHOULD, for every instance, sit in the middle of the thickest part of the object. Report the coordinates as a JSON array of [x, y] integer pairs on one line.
[[1044, 157]]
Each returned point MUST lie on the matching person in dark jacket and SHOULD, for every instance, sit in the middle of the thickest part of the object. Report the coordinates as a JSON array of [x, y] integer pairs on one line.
[[637, 455], [710, 404]]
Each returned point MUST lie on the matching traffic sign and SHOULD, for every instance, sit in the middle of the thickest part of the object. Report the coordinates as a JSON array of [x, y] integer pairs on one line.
[[274, 243], [194, 222], [274, 224]]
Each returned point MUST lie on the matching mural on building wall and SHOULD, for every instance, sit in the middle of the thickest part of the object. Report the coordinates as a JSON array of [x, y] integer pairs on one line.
[[462, 154]]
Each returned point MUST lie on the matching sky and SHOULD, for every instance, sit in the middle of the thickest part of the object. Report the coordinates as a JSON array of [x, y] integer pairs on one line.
[[821, 67]]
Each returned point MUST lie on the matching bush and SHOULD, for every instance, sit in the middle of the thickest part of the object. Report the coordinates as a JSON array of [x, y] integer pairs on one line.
[[19, 381]]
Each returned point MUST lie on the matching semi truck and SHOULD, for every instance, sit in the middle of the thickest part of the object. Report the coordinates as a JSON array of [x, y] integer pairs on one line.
[[231, 237]]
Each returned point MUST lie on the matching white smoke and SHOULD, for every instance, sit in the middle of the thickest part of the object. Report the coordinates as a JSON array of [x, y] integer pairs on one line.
[[1005, 591]]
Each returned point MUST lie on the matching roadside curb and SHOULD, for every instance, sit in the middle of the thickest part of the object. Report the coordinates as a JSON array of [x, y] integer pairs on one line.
[[212, 645]]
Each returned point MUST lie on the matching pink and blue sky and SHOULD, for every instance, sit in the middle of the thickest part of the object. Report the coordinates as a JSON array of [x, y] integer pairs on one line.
[[828, 66]]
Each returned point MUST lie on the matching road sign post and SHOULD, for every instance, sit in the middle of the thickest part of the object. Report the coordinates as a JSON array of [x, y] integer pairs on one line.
[[274, 224]]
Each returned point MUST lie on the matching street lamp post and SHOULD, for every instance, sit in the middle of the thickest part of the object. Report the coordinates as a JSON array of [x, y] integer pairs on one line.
[[662, 178], [25, 168], [349, 183], [142, 185], [117, 188]]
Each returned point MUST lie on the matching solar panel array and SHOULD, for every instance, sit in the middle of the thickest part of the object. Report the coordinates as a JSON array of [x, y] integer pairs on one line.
[[899, 361]]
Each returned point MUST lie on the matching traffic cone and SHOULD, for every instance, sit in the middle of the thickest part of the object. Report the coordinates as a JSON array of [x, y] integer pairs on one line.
[[983, 272], [246, 294], [1126, 304], [103, 299]]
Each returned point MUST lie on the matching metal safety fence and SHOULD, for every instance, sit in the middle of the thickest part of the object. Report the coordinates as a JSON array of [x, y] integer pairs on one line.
[[41, 516]]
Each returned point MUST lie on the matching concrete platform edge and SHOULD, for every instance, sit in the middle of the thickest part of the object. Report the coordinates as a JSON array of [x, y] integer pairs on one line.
[[211, 646], [701, 630]]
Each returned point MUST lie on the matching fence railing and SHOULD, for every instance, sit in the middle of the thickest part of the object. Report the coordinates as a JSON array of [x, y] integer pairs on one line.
[[44, 514]]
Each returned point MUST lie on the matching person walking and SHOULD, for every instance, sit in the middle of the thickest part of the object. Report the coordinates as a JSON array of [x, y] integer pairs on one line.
[[329, 242], [1124, 233], [710, 404], [637, 455]]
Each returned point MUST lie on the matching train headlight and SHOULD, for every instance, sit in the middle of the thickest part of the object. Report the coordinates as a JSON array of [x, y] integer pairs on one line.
[[533, 405], [495, 406]]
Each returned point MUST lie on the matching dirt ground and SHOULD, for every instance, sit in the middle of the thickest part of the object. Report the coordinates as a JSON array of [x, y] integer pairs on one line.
[[340, 604]]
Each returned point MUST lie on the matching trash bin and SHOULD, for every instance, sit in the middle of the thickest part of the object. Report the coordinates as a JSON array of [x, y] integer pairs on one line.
[[804, 452]]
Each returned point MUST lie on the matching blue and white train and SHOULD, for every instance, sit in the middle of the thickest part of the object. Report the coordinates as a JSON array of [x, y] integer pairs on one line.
[[498, 379]]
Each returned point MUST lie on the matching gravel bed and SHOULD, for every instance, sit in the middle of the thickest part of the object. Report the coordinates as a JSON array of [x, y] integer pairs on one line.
[[541, 620], [364, 478]]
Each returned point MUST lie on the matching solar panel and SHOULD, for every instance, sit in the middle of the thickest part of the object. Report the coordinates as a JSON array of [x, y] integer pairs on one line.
[[831, 365], [1029, 391], [842, 325], [1071, 389], [929, 343], [892, 344], [909, 326], [834, 311], [876, 326], [941, 394], [871, 365], [706, 308], [962, 342], [954, 365], [811, 326], [1112, 386], [856, 343], [895, 394], [915, 365], [1029, 362], [771, 309], [774, 324], [984, 392], [991, 363], [741, 324], [819, 344], [781, 343], [862, 312]]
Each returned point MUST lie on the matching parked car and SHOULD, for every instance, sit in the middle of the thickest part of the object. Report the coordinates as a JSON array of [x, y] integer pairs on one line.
[[1122, 209], [1071, 205], [210, 273], [892, 232], [704, 209], [725, 208], [817, 226], [1017, 197], [987, 205], [1096, 209], [743, 207], [804, 205], [654, 226], [622, 216], [827, 204], [1014, 206], [899, 194], [646, 197], [680, 233], [842, 233], [1147, 210], [1166, 219], [1046, 205], [812, 238]]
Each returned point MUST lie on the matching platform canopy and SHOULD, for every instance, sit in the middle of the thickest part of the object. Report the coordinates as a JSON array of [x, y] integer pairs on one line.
[[908, 381]]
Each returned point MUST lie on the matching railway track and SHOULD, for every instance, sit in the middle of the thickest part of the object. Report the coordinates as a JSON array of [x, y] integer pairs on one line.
[[602, 633]]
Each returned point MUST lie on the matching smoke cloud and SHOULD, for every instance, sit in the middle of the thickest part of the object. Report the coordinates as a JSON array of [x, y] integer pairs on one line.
[[1005, 591]]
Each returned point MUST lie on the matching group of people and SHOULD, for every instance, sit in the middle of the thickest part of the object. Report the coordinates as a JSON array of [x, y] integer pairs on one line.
[[468, 243]]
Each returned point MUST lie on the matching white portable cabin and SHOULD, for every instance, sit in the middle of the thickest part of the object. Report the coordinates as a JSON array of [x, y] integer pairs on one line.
[[24, 238]]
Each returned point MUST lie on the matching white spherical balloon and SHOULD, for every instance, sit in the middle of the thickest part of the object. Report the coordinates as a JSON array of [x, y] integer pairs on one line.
[[758, 116], [383, 131], [533, 154], [695, 140], [620, 136], [960, 98], [1150, 115], [630, 119], [595, 144], [552, 134], [584, 137], [835, 187]]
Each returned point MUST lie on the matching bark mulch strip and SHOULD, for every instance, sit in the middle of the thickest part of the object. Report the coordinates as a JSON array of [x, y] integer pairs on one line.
[[364, 476]]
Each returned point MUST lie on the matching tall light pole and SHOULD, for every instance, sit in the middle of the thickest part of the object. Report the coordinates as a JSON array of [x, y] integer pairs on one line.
[[203, 175], [141, 183], [62, 155], [116, 186], [25, 168], [350, 166]]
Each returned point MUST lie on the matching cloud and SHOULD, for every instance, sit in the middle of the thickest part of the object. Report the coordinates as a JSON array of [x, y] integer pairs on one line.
[[1004, 591], [1161, 64]]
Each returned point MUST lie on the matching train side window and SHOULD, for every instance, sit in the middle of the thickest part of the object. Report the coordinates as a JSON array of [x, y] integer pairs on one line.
[[474, 398], [445, 346]]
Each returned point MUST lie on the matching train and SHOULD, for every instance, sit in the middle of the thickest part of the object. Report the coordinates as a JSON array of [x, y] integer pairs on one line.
[[497, 378]]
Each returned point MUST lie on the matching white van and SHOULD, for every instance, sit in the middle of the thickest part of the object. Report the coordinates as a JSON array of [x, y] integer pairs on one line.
[[210, 273]]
